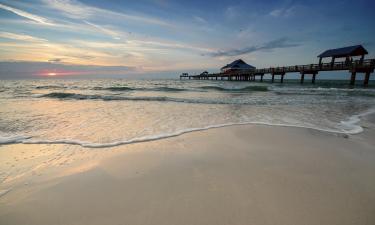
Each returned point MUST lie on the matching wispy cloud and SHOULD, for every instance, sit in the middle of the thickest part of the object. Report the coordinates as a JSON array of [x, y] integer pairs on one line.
[[137, 46], [231, 12], [27, 15], [56, 60], [199, 19], [21, 37], [104, 30], [44, 51], [283, 12], [78, 10], [72, 9], [275, 44]]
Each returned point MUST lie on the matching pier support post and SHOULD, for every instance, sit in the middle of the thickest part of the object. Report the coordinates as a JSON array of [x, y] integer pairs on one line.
[[352, 78], [367, 78], [302, 77], [261, 78], [273, 78], [282, 78], [313, 78]]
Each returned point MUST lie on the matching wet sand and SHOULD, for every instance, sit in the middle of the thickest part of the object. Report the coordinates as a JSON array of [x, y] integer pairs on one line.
[[233, 175]]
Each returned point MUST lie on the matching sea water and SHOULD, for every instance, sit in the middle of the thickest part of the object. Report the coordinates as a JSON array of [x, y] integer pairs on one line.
[[109, 112]]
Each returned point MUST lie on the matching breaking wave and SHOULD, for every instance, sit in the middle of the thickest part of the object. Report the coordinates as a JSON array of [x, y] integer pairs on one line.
[[245, 89], [114, 88], [73, 96], [174, 89], [50, 87], [124, 88]]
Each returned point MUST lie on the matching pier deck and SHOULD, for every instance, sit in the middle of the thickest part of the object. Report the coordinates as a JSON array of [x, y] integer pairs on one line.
[[358, 66]]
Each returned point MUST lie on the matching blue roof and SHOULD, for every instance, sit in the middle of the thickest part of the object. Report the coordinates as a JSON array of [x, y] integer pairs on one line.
[[238, 64], [355, 50]]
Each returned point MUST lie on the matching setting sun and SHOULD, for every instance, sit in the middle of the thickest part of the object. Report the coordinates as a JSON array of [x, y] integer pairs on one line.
[[51, 74]]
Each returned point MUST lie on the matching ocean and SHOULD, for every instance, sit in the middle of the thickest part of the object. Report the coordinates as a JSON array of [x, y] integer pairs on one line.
[[109, 112]]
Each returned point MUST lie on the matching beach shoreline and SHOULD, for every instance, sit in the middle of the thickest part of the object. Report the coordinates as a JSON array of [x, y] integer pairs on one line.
[[248, 174]]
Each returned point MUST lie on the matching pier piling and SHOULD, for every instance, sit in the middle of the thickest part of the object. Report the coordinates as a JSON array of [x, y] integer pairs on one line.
[[352, 78], [367, 78], [313, 78]]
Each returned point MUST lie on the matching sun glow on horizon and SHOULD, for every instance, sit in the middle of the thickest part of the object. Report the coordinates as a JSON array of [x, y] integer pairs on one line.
[[51, 74]]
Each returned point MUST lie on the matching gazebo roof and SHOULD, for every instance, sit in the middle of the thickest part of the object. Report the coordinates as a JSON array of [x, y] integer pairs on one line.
[[355, 50], [238, 64]]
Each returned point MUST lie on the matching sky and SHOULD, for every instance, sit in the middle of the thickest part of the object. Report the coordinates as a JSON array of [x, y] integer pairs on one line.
[[119, 38]]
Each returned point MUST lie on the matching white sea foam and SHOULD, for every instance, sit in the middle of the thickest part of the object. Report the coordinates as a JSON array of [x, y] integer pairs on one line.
[[349, 126], [12, 139], [352, 123]]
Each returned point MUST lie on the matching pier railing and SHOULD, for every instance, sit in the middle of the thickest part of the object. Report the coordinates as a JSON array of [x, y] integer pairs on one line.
[[368, 63], [351, 65]]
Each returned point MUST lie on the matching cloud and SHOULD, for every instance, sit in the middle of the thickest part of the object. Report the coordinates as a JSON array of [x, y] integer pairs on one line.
[[111, 33], [77, 10], [55, 60], [21, 37], [199, 19], [275, 44], [71, 8], [44, 51], [283, 12], [231, 12], [27, 15], [276, 12]]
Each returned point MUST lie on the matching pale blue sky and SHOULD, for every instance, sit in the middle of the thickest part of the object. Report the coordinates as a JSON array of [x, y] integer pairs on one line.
[[116, 37]]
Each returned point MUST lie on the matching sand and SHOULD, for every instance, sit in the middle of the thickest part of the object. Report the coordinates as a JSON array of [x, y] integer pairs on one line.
[[233, 175]]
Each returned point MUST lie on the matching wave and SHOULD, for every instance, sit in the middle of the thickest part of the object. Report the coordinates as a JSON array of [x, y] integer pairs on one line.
[[345, 127], [245, 89], [123, 88], [116, 88], [218, 101], [67, 95], [168, 89], [50, 87], [73, 96], [325, 91]]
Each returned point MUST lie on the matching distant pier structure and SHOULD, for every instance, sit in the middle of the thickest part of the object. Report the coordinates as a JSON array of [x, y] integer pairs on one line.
[[354, 62]]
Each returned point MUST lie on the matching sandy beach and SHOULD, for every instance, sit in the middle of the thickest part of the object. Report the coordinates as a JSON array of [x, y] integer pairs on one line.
[[233, 175]]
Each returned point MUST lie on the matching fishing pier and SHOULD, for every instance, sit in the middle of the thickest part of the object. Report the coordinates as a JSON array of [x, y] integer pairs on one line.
[[240, 71]]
